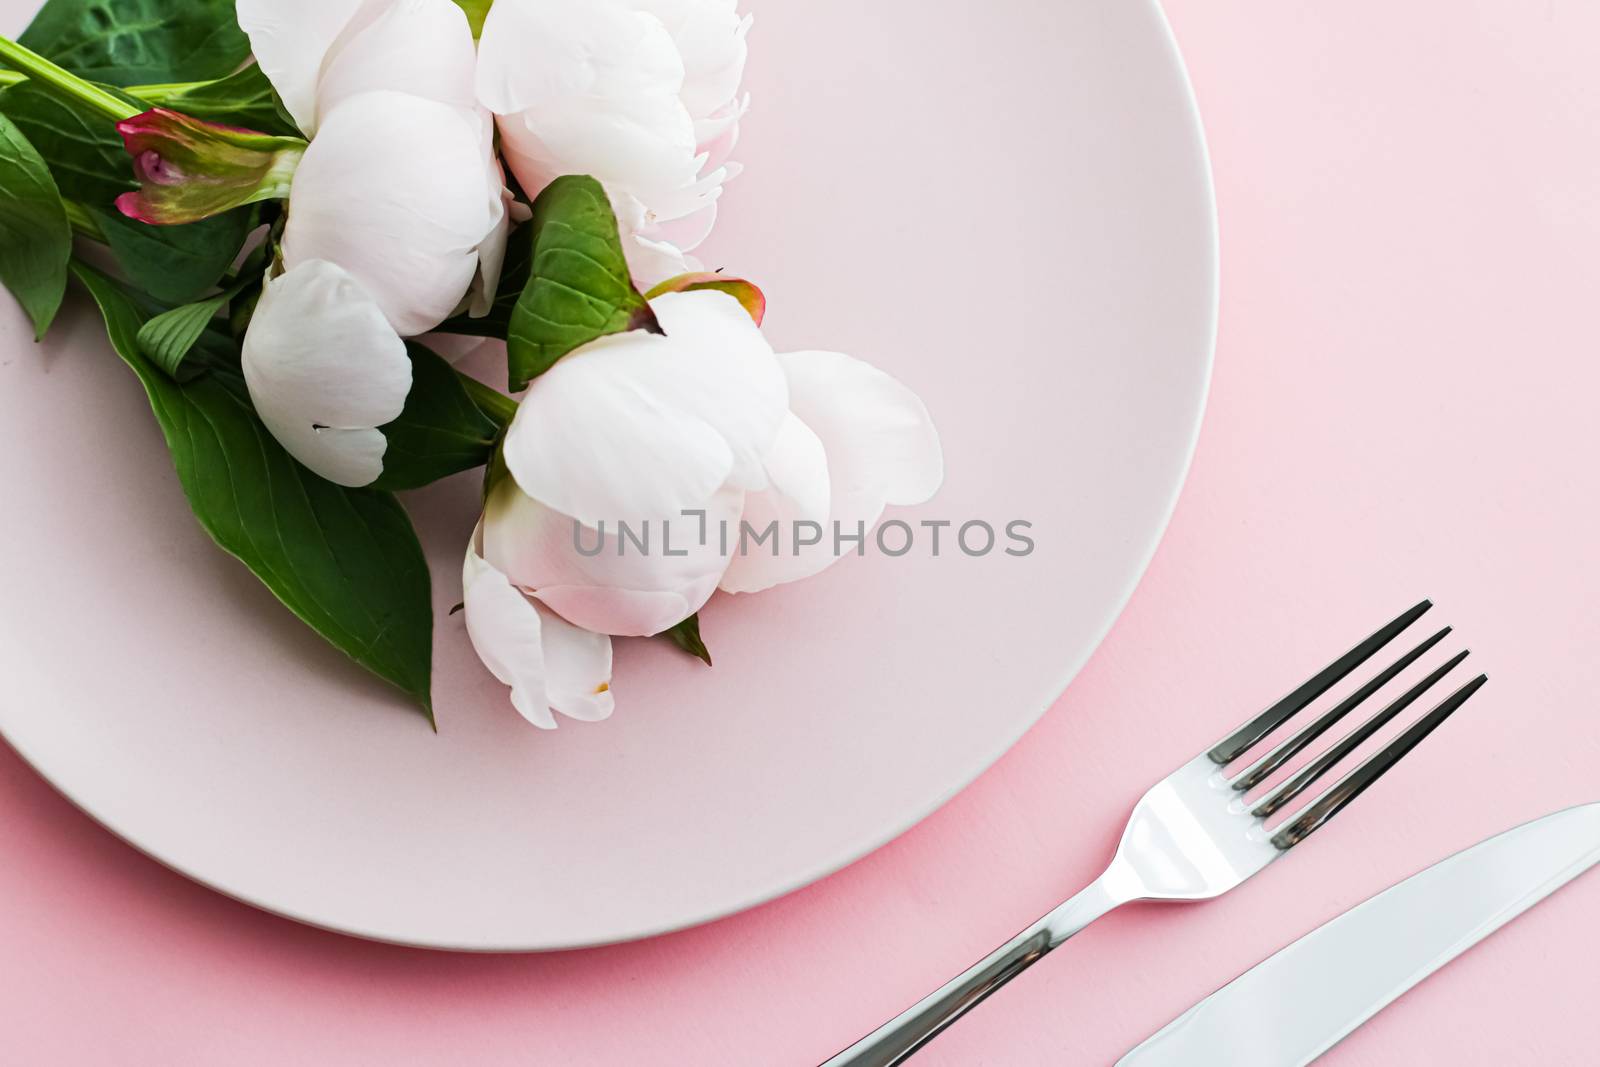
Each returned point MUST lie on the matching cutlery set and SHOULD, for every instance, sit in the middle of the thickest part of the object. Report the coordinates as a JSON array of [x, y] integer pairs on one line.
[[1203, 830]]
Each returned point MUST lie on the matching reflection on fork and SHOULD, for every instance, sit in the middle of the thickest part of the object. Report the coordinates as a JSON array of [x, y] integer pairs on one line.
[[1196, 834]]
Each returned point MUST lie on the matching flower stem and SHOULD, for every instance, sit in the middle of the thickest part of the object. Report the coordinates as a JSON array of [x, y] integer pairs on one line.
[[155, 95], [492, 402], [165, 93], [37, 68]]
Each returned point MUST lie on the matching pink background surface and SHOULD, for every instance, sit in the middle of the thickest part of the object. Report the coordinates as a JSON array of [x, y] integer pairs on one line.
[[1401, 407]]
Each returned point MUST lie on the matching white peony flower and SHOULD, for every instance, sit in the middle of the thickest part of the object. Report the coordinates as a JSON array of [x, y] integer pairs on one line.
[[641, 94], [549, 664], [660, 434], [325, 369], [857, 441], [707, 421], [398, 190]]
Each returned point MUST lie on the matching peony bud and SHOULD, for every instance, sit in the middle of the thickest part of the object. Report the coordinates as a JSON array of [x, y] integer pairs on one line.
[[189, 169]]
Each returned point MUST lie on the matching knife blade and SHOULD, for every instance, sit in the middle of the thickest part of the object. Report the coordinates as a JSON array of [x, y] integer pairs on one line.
[[1302, 1001]]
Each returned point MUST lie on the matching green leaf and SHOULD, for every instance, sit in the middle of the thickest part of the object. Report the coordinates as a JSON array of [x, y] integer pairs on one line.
[[176, 264], [188, 340], [243, 311], [245, 98], [137, 42], [167, 339], [346, 561], [82, 146], [441, 431], [686, 635], [35, 236], [579, 288]]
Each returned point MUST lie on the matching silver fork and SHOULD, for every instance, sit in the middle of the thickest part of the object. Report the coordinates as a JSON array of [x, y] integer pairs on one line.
[[1194, 835]]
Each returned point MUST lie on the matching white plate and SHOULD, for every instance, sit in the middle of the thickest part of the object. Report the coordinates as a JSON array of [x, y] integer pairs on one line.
[[1006, 205]]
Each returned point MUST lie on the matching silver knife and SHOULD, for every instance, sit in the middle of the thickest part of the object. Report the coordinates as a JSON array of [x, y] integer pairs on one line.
[[1301, 1002]]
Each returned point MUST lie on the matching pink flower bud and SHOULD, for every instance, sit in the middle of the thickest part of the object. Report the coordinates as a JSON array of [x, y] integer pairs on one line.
[[189, 169]]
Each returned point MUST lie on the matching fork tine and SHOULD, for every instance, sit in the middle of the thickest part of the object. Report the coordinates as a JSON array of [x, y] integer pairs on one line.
[[1264, 767], [1245, 737], [1357, 781], [1313, 771]]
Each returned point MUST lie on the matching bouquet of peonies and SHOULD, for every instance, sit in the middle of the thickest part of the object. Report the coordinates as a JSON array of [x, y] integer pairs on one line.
[[284, 210]]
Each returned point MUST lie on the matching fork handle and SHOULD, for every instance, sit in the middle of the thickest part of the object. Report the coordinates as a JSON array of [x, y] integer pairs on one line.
[[898, 1039]]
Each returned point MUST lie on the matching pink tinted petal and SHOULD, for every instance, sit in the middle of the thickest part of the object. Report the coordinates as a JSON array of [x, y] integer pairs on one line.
[[606, 582], [623, 612]]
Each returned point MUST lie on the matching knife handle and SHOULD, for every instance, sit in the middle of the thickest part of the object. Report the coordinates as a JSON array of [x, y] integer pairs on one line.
[[895, 1041]]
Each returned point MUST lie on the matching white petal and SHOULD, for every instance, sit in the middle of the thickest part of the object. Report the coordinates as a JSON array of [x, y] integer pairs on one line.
[[801, 492], [797, 467], [606, 582], [393, 189], [508, 635], [508, 213], [881, 448], [591, 439], [710, 35], [587, 87], [291, 39], [687, 231], [653, 262], [639, 426], [420, 47], [717, 135], [715, 332], [881, 441], [548, 663], [533, 52], [325, 369], [577, 666]]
